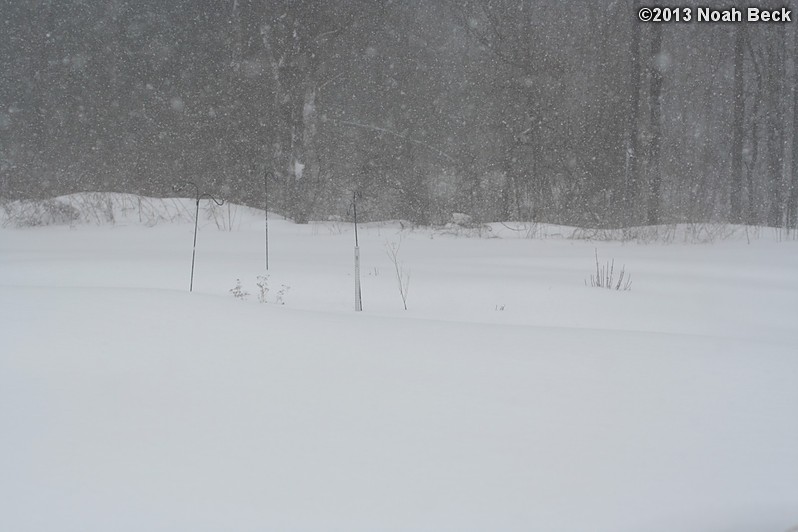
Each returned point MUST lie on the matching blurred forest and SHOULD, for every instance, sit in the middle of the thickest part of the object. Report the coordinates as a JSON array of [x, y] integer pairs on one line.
[[529, 110]]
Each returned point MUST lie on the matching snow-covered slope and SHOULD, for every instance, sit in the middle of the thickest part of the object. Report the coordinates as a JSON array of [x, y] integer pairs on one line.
[[510, 396]]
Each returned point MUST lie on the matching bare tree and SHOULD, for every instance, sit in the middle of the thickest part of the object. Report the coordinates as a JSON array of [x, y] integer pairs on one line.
[[633, 159], [792, 202], [655, 106], [775, 124], [738, 133], [402, 275]]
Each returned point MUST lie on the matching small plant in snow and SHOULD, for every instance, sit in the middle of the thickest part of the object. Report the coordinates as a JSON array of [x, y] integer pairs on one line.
[[402, 276], [262, 282], [263, 288], [499, 308], [605, 277], [280, 298], [238, 291]]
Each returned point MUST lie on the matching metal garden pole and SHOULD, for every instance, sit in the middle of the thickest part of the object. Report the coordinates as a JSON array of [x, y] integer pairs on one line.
[[266, 175], [196, 224], [358, 299]]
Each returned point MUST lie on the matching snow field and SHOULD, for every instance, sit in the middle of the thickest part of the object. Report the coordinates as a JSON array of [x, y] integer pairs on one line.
[[129, 404]]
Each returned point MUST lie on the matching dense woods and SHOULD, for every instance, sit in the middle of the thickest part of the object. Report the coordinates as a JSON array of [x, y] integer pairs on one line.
[[566, 112]]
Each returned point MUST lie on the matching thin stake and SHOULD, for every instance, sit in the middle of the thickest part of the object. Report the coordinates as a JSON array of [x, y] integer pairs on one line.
[[266, 214], [196, 225], [194, 250], [358, 298]]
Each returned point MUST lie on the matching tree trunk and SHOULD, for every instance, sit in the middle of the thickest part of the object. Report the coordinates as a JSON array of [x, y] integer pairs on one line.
[[632, 169], [775, 139], [792, 203], [306, 163], [736, 189], [655, 93], [294, 73]]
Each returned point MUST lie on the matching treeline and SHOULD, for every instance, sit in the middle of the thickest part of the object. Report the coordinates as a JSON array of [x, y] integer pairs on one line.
[[566, 112]]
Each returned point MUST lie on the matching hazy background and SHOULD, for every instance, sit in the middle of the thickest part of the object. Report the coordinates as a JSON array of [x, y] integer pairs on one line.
[[568, 112]]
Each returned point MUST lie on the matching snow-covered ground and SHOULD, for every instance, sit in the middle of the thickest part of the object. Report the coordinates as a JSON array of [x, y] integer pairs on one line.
[[510, 396]]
